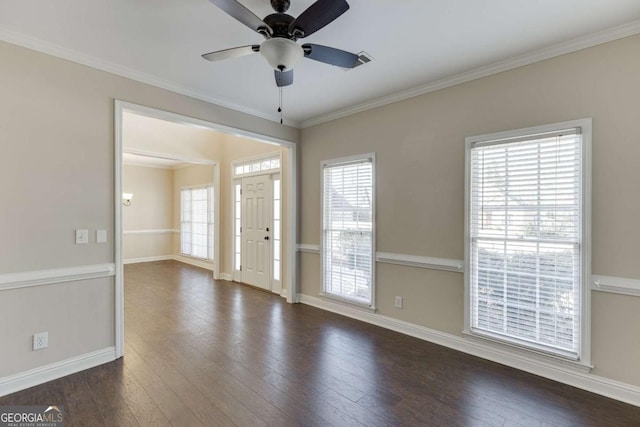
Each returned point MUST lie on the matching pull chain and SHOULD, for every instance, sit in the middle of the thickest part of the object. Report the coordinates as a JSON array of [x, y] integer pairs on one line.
[[280, 106]]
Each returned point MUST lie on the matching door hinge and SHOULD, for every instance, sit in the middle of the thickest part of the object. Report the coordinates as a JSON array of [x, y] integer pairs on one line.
[[241, 229], [240, 268], [241, 191]]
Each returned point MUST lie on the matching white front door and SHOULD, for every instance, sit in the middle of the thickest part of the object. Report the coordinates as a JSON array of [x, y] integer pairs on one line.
[[256, 247]]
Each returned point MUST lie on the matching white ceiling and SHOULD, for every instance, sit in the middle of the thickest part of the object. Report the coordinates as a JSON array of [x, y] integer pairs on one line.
[[413, 43]]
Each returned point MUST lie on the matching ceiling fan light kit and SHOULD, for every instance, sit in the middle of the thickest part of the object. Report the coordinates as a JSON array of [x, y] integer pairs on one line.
[[282, 32], [282, 54]]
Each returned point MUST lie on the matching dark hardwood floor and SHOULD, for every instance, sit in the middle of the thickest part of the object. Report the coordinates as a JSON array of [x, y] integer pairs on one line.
[[200, 352]]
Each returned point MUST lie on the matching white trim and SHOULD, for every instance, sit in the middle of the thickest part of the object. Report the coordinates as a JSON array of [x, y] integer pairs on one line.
[[616, 285], [584, 42], [217, 221], [164, 156], [142, 232], [52, 371], [29, 279], [78, 57], [309, 249], [350, 304], [535, 365], [227, 277], [209, 265], [118, 236], [421, 261], [147, 259], [270, 155], [146, 165]]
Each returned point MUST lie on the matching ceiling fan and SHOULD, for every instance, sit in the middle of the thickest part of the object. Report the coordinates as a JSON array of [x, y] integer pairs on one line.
[[282, 31]]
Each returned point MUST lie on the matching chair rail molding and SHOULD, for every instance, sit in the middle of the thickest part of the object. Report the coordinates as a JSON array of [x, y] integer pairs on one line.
[[421, 261], [142, 232], [309, 249], [402, 259], [616, 285], [59, 275]]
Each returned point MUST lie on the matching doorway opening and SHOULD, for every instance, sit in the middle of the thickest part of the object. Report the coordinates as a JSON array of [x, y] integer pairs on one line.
[[270, 213]]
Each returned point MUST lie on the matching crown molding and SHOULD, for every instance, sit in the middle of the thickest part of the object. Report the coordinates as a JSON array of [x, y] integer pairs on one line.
[[590, 40], [58, 51]]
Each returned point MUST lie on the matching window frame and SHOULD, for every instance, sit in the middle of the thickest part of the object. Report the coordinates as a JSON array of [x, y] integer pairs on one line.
[[371, 157], [210, 225], [584, 332]]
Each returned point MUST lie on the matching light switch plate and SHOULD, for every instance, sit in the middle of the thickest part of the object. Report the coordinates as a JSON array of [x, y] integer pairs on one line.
[[101, 236], [82, 237]]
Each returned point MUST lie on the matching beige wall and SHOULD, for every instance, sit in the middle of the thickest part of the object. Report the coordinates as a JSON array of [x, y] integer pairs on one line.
[[419, 145], [57, 175], [151, 209], [152, 205]]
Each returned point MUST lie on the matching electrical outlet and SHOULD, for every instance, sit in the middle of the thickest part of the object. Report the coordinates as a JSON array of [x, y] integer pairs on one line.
[[40, 340], [398, 302]]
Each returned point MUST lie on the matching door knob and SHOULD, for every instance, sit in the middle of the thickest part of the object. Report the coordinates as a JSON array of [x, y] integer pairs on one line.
[[266, 237]]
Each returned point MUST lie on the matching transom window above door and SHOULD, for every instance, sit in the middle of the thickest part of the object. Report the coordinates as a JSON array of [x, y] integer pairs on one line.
[[266, 164]]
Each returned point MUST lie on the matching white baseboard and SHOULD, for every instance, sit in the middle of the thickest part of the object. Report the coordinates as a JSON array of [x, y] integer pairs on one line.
[[147, 259], [43, 374], [194, 261], [226, 276], [596, 384], [191, 261]]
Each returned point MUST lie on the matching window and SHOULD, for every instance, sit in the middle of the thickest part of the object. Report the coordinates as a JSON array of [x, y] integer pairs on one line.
[[277, 232], [196, 222], [347, 226], [237, 226], [255, 166], [527, 239]]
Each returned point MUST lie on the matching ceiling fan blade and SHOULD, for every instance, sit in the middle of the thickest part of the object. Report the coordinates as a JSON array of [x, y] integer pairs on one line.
[[330, 55], [234, 52], [236, 10], [284, 78], [317, 16]]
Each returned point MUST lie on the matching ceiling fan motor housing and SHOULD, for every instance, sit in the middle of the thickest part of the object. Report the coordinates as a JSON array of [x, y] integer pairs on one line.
[[279, 24]]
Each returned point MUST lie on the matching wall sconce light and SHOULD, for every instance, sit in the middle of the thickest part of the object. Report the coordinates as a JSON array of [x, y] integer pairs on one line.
[[126, 199]]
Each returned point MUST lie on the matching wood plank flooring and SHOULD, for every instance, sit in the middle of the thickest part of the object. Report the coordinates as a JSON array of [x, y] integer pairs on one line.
[[206, 353]]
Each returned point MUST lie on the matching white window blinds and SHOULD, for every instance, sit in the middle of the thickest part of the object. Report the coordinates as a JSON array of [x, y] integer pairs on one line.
[[525, 243], [196, 224], [348, 230]]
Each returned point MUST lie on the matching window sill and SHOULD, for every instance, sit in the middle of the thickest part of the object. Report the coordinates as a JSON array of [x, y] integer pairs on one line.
[[532, 354], [348, 302]]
